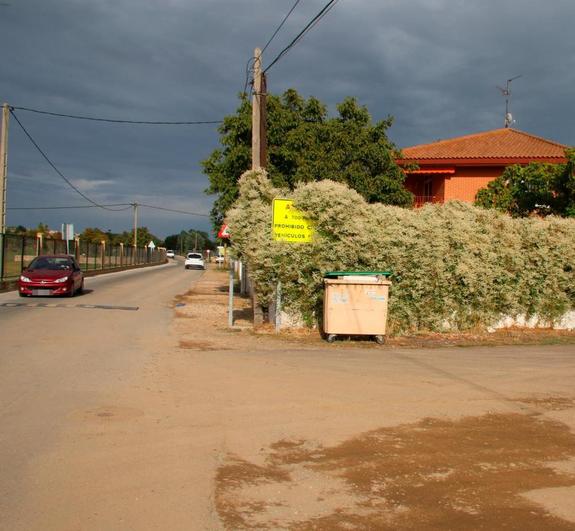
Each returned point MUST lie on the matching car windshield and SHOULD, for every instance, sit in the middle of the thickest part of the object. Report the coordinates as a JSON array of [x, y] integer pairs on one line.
[[50, 262]]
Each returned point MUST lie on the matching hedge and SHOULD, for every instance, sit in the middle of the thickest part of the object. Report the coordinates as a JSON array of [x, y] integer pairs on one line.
[[454, 266]]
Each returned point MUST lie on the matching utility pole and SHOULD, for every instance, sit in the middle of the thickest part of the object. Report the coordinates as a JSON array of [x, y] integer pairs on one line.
[[3, 178], [259, 147], [259, 129], [135, 207]]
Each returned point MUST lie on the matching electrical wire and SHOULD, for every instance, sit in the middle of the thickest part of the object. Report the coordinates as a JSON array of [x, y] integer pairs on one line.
[[280, 26], [247, 75], [109, 120], [129, 205], [251, 59], [125, 205], [173, 210], [64, 178], [301, 34]]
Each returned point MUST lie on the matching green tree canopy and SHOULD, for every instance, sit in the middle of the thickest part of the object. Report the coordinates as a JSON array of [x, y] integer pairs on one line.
[[305, 145], [188, 240], [95, 235], [536, 188]]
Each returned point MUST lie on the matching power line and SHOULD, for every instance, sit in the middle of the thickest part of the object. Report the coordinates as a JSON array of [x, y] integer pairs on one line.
[[301, 34], [114, 121], [174, 210], [280, 26], [66, 180], [126, 205], [247, 78], [247, 75]]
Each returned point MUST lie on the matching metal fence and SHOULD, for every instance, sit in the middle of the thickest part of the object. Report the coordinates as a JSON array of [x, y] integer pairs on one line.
[[18, 251]]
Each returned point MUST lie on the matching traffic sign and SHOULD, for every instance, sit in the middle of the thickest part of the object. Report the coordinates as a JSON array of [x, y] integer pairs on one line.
[[224, 231], [289, 224]]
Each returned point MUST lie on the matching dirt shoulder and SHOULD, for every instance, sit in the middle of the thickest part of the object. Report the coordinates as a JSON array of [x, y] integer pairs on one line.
[[208, 302], [354, 435]]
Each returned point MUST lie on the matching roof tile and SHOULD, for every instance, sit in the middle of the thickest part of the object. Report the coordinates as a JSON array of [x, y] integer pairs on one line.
[[496, 144]]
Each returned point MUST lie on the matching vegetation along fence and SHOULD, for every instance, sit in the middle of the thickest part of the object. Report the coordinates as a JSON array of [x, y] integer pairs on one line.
[[18, 251]]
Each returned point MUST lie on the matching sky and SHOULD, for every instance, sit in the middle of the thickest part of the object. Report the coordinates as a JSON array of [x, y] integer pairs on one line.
[[434, 65]]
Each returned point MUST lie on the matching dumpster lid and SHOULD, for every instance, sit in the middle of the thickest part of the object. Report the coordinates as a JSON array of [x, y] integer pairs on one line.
[[335, 274]]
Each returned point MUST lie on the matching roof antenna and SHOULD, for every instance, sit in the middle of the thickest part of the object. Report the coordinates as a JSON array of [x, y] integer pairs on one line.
[[507, 93]]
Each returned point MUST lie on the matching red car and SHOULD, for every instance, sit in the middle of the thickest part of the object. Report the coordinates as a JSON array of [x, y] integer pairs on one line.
[[51, 275]]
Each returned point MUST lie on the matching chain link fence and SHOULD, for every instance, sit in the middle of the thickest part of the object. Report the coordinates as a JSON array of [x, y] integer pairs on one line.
[[18, 251]]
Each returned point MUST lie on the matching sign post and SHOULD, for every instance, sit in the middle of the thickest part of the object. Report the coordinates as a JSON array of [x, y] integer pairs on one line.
[[67, 234]]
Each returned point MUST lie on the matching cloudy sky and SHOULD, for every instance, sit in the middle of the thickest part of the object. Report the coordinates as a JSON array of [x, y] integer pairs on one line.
[[432, 64]]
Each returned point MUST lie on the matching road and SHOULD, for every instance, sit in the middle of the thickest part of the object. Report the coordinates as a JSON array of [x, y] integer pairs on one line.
[[161, 418], [58, 361]]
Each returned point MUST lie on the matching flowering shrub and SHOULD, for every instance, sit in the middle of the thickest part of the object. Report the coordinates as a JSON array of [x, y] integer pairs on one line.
[[454, 266]]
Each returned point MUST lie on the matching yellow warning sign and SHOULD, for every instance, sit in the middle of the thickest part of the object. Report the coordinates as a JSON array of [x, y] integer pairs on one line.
[[289, 224]]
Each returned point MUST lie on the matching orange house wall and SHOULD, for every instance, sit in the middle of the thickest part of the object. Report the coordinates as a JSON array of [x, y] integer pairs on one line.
[[467, 181]]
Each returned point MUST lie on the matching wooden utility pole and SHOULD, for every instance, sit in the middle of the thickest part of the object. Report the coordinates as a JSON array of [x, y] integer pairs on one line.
[[259, 144], [3, 178], [259, 129], [3, 165], [135, 206]]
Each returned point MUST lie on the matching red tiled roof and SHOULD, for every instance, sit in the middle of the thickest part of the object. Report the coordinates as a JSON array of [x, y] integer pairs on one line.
[[502, 144]]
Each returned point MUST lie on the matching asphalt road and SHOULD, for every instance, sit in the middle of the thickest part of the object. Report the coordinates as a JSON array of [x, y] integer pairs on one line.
[[60, 355], [118, 412]]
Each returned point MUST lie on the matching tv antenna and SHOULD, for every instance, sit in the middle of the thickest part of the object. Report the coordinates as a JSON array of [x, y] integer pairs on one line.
[[507, 93]]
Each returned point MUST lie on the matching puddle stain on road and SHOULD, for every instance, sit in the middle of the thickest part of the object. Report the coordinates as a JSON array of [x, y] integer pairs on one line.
[[204, 346], [435, 474]]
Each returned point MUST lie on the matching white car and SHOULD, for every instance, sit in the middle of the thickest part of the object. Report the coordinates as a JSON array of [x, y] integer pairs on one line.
[[170, 254], [219, 259], [194, 261]]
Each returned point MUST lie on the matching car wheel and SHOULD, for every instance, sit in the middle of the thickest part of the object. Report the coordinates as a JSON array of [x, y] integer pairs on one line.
[[81, 288], [22, 294]]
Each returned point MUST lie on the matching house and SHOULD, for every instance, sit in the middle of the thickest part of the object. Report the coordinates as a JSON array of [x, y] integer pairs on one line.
[[459, 167]]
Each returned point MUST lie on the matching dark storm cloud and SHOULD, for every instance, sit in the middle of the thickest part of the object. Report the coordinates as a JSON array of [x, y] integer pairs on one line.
[[432, 64]]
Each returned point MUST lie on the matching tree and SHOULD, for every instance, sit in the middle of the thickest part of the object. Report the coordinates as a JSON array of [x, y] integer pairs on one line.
[[144, 238], [94, 235], [19, 230], [42, 228], [187, 240], [536, 188], [305, 145]]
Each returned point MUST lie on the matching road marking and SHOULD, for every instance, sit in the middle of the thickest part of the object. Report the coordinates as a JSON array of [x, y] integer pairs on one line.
[[54, 305]]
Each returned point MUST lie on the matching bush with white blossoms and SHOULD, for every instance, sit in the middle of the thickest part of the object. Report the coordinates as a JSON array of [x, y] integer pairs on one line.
[[453, 266]]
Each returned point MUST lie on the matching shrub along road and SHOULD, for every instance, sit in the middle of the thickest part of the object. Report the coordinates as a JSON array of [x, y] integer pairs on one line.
[[162, 418]]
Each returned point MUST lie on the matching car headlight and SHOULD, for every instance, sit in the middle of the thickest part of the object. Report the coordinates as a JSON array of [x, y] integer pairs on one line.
[[60, 280], [24, 279]]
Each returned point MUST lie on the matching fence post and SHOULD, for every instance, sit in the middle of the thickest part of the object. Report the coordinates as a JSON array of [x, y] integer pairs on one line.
[[231, 296], [278, 307], [39, 244], [103, 252], [23, 250], [2, 254]]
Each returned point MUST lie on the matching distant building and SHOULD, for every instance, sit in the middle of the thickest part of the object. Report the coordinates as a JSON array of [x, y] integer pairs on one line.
[[457, 168]]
